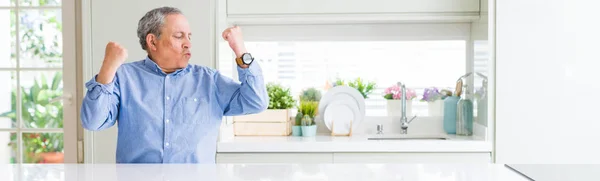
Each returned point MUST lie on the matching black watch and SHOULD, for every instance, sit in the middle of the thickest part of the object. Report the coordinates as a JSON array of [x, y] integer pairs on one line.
[[246, 59]]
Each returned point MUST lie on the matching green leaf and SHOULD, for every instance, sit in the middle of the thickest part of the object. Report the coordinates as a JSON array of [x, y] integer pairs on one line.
[[33, 92], [56, 81], [44, 82], [43, 97], [10, 114]]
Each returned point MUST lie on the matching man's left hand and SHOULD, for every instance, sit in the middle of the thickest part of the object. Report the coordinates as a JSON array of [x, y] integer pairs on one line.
[[233, 35]]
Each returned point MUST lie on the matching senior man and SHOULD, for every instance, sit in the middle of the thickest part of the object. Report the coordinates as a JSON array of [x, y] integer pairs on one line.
[[169, 111]]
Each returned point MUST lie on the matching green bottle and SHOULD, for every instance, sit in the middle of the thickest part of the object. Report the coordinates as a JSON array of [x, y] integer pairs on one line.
[[464, 114]]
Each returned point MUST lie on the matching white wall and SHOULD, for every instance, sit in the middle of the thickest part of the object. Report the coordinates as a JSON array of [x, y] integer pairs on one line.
[[547, 81], [116, 20]]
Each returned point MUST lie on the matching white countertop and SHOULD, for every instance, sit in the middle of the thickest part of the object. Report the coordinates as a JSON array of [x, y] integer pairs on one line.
[[359, 143], [341, 172]]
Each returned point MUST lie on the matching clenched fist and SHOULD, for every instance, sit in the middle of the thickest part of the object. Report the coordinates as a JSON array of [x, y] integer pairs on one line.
[[233, 36], [114, 56]]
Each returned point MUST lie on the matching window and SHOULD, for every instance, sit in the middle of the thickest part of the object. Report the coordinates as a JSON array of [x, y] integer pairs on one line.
[[31, 110], [302, 56]]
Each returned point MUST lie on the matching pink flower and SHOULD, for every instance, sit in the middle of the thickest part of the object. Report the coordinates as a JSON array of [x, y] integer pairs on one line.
[[395, 92]]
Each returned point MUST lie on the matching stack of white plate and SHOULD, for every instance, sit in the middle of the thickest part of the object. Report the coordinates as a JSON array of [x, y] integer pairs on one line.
[[344, 106]]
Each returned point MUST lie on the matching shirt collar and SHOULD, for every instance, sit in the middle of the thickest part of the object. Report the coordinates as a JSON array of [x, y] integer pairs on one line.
[[152, 66]]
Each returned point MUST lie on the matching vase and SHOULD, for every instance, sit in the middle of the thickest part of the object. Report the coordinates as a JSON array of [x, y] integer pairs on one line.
[[308, 131], [436, 108], [296, 130], [394, 107], [52, 157]]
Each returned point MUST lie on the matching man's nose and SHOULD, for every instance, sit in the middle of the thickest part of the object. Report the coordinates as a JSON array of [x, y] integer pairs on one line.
[[187, 44]]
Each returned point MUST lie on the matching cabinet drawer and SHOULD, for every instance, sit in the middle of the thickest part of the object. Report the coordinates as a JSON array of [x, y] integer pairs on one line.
[[412, 158], [274, 158]]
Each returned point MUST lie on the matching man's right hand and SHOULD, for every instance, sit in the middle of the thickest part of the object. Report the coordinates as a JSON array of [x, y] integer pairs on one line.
[[114, 56]]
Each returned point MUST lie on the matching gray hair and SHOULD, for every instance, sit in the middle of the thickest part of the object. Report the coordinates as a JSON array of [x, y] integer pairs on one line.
[[152, 22]]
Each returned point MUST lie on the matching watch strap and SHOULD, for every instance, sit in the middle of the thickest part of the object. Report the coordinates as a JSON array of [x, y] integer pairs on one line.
[[239, 61]]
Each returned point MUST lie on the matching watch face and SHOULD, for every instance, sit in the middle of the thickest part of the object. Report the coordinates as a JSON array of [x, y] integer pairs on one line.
[[247, 58]]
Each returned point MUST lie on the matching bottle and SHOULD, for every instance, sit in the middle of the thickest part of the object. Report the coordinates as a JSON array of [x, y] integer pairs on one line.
[[450, 114], [464, 113], [450, 104]]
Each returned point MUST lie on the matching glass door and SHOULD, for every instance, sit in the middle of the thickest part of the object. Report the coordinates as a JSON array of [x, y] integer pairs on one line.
[[36, 81]]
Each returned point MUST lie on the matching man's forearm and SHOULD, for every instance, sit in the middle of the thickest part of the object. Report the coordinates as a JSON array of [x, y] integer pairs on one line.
[[106, 74]]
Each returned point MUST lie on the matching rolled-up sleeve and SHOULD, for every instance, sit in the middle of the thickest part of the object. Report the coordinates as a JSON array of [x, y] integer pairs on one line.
[[100, 106], [249, 96]]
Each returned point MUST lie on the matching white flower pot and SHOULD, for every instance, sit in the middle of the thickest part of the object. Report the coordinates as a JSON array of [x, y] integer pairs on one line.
[[436, 108], [394, 108]]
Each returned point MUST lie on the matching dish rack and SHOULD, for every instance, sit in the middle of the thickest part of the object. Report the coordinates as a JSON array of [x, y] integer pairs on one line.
[[338, 134]]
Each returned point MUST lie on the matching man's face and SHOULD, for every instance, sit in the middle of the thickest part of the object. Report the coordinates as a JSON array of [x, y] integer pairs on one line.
[[173, 49]]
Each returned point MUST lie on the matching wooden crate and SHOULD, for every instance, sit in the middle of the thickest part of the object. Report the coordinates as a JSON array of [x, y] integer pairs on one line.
[[267, 116], [263, 128]]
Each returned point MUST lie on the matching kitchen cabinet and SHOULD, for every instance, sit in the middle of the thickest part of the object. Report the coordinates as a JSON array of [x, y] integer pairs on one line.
[[411, 158], [299, 7], [365, 157], [274, 158]]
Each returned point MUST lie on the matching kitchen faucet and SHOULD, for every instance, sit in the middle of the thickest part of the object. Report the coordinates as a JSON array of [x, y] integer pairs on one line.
[[404, 120]]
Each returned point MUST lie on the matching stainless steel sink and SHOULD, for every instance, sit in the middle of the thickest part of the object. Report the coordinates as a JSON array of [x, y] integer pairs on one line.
[[408, 137]]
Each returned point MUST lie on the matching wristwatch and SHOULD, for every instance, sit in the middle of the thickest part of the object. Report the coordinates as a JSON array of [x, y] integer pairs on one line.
[[245, 59]]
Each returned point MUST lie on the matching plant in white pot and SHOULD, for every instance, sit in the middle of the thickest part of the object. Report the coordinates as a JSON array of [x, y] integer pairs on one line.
[[435, 100], [393, 96]]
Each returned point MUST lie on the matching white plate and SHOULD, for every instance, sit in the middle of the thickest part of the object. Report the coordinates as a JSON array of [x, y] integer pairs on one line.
[[353, 94], [332, 111], [340, 113]]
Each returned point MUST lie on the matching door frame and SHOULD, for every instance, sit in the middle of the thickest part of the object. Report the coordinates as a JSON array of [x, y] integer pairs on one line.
[[70, 67]]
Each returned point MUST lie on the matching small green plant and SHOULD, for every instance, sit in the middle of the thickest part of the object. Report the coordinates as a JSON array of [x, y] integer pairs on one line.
[[298, 119], [365, 88], [307, 121], [309, 108], [279, 97], [306, 113], [310, 94]]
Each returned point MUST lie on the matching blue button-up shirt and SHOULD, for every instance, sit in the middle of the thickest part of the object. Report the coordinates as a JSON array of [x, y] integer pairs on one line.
[[170, 118]]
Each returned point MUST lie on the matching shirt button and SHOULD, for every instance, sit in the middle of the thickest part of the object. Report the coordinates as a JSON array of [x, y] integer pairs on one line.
[[168, 97], [167, 144], [167, 121], [195, 100]]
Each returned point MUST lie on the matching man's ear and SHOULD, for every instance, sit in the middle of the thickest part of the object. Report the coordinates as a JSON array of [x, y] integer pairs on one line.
[[151, 41]]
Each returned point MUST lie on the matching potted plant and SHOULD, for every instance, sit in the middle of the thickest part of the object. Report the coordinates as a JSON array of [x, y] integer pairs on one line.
[[365, 88], [307, 98], [42, 113], [278, 113], [435, 100], [393, 96], [307, 113], [310, 94]]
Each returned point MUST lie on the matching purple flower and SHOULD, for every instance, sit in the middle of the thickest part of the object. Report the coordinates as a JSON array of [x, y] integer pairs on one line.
[[431, 94]]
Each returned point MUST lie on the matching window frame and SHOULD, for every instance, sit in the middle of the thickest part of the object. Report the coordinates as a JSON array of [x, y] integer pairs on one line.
[[331, 32], [69, 71]]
